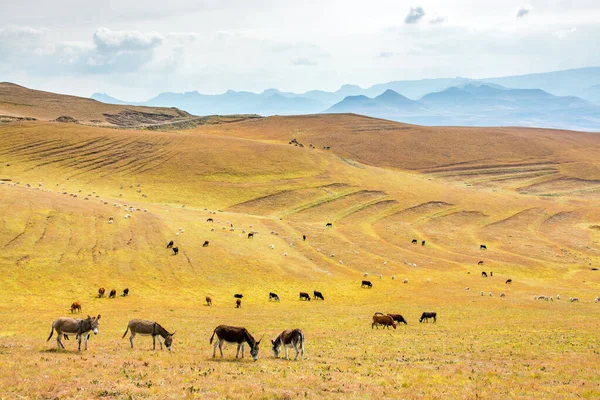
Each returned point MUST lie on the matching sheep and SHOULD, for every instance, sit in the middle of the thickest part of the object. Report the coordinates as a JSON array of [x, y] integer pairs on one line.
[[393, 277], [572, 299], [502, 294], [491, 295], [596, 299], [428, 280], [341, 262], [482, 293], [145, 210], [111, 218], [551, 298], [380, 276], [405, 280], [385, 263], [127, 216], [285, 254], [272, 246], [366, 274], [332, 255], [558, 297], [467, 288], [110, 222]]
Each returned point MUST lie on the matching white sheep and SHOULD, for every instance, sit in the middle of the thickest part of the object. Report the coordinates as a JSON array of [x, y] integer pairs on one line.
[[332, 255], [393, 277], [491, 295], [272, 246], [341, 262], [502, 294], [558, 297], [483, 294], [385, 263], [405, 280], [428, 280], [596, 299], [110, 221], [572, 299], [551, 298], [380, 276], [366, 274], [467, 288], [285, 254]]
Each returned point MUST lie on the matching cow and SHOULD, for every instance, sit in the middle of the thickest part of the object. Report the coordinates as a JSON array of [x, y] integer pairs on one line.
[[209, 220], [384, 320], [76, 306], [149, 328], [101, 292], [422, 243], [328, 225], [208, 301], [170, 244], [238, 303], [482, 247], [205, 243], [125, 292], [80, 327], [502, 294], [238, 296], [288, 339], [232, 334], [273, 296], [175, 250], [398, 318], [480, 263], [427, 315], [251, 235], [318, 295], [491, 273], [113, 294], [483, 274], [508, 281], [304, 237], [414, 241], [304, 296], [366, 284]]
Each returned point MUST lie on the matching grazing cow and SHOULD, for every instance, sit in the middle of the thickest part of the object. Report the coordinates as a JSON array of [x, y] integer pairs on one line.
[[149, 328], [384, 320], [238, 303], [80, 327], [366, 284], [328, 225], [405, 280], [491, 273], [170, 244], [251, 235], [303, 237], [508, 281], [76, 306], [422, 243], [318, 295], [125, 292], [288, 339], [502, 294], [232, 334], [427, 315], [113, 294], [414, 241], [572, 299], [208, 301], [398, 318], [482, 247], [238, 296], [205, 243], [480, 263], [101, 292], [175, 250], [304, 296], [483, 274], [209, 220], [273, 296]]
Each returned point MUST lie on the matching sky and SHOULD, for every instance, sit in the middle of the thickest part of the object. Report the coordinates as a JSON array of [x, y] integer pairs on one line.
[[134, 50]]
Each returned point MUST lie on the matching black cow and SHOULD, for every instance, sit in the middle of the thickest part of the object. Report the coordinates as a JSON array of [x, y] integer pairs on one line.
[[483, 274], [304, 296], [251, 235], [113, 294], [414, 241], [482, 247], [329, 224], [125, 292], [426, 315], [491, 273], [205, 243], [398, 318], [170, 245], [273, 296], [238, 296], [508, 281], [303, 237], [175, 250], [318, 295], [480, 263], [422, 243], [209, 220], [366, 284]]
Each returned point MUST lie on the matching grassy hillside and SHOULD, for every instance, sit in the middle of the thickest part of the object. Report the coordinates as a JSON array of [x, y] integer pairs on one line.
[[529, 195]]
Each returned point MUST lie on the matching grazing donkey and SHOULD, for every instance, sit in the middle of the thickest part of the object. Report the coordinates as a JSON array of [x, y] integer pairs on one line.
[[289, 338], [149, 328], [80, 327], [232, 334]]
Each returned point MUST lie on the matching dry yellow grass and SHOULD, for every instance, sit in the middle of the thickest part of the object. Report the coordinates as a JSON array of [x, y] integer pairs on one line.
[[58, 248]]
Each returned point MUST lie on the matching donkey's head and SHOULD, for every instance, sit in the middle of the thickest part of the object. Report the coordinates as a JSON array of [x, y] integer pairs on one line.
[[94, 322], [254, 349], [169, 340]]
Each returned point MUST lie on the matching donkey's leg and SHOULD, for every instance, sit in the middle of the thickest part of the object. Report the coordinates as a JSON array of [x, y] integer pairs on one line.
[[297, 351], [243, 347], [159, 341], [238, 350], [131, 338], [85, 341], [153, 342], [58, 341], [220, 347]]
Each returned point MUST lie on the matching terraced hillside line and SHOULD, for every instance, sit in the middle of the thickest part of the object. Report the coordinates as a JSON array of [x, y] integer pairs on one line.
[[29, 145], [462, 168], [561, 185], [333, 206]]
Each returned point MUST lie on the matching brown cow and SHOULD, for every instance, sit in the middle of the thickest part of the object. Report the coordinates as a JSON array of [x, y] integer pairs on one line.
[[384, 320], [76, 306], [101, 292], [238, 303], [208, 301], [113, 294]]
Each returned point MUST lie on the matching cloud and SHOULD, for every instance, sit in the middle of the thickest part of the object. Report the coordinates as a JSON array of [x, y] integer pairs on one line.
[[523, 10], [107, 40], [414, 15], [304, 62], [564, 33], [386, 54], [437, 20]]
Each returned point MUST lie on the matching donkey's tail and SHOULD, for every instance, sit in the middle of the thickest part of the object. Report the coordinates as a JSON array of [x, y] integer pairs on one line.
[[126, 330], [51, 333], [213, 335]]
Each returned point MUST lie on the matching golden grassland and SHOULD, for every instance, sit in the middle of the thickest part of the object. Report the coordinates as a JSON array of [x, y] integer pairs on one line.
[[530, 195]]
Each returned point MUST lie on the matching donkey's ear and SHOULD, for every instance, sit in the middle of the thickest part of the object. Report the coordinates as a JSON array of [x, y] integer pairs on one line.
[[89, 316], [98, 316], [173, 334], [272, 342]]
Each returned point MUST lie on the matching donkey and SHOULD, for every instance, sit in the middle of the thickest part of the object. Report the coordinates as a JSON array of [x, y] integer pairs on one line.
[[80, 327], [289, 338], [149, 328], [232, 334]]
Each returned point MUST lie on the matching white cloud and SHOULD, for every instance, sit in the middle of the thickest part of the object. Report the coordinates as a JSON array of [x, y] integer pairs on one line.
[[523, 10], [107, 40], [304, 62], [414, 15], [437, 20], [564, 33], [386, 54]]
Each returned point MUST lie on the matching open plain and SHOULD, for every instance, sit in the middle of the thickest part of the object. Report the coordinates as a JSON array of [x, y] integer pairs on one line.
[[529, 195]]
